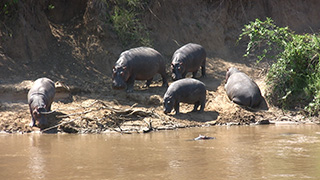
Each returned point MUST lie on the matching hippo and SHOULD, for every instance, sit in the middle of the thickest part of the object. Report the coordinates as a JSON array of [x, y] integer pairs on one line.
[[40, 98], [140, 63], [186, 90], [241, 89], [202, 137], [188, 58]]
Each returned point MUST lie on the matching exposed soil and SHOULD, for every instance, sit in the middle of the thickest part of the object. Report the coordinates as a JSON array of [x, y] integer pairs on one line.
[[75, 46]]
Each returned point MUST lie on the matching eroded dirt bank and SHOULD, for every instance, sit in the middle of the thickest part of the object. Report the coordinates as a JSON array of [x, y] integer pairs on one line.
[[76, 44]]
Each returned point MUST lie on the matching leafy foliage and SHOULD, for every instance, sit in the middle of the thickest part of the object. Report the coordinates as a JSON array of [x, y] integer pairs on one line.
[[294, 78], [7, 7], [124, 16]]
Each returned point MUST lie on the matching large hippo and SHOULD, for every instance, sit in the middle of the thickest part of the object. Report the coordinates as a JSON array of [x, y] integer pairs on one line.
[[241, 89], [40, 98], [140, 63], [186, 90], [188, 58]]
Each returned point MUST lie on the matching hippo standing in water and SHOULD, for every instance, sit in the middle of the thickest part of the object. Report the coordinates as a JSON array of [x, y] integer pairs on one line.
[[188, 58], [40, 98], [241, 89], [140, 63], [187, 90], [202, 137]]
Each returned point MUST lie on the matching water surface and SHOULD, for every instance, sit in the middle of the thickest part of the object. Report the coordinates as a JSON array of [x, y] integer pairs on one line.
[[238, 152]]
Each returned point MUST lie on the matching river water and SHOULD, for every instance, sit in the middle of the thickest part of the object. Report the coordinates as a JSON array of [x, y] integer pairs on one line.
[[238, 152]]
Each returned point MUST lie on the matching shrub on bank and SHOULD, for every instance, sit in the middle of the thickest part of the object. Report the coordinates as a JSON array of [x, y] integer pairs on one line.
[[294, 76], [125, 17]]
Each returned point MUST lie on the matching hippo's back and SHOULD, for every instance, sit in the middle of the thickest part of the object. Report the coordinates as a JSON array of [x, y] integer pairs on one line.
[[243, 90], [141, 55], [191, 55], [144, 62], [190, 48], [187, 90], [42, 86]]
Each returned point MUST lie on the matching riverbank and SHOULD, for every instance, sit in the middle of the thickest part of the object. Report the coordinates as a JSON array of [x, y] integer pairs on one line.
[[74, 43], [78, 111]]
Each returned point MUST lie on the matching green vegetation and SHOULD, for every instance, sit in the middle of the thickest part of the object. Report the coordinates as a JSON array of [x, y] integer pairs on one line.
[[294, 78], [125, 16], [7, 7], [50, 7]]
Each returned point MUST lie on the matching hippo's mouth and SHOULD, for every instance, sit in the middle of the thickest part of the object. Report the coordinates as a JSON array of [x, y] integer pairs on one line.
[[176, 77], [41, 123], [118, 87], [166, 111]]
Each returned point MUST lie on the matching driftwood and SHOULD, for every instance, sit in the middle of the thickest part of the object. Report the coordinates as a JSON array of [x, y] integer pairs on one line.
[[117, 115], [149, 124], [63, 123]]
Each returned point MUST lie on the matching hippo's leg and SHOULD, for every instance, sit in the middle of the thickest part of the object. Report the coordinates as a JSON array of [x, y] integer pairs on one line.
[[194, 74], [237, 101], [130, 84], [49, 108], [33, 121], [196, 105], [164, 80], [184, 75], [256, 101], [203, 69], [176, 107], [148, 83], [202, 104]]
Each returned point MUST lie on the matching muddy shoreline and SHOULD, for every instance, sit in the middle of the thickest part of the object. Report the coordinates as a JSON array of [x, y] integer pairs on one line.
[[137, 112]]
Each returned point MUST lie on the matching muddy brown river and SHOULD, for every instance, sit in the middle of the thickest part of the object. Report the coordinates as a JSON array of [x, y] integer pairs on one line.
[[238, 152]]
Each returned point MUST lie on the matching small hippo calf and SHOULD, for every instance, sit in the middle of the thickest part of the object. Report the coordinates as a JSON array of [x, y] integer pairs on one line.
[[241, 89], [140, 63], [40, 98], [187, 90], [188, 58]]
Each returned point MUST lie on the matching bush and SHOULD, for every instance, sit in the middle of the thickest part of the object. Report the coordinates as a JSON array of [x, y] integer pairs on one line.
[[7, 8], [294, 78], [124, 16]]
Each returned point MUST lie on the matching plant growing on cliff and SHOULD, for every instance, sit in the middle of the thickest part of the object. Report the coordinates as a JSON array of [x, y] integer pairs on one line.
[[294, 78], [125, 18], [7, 7]]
